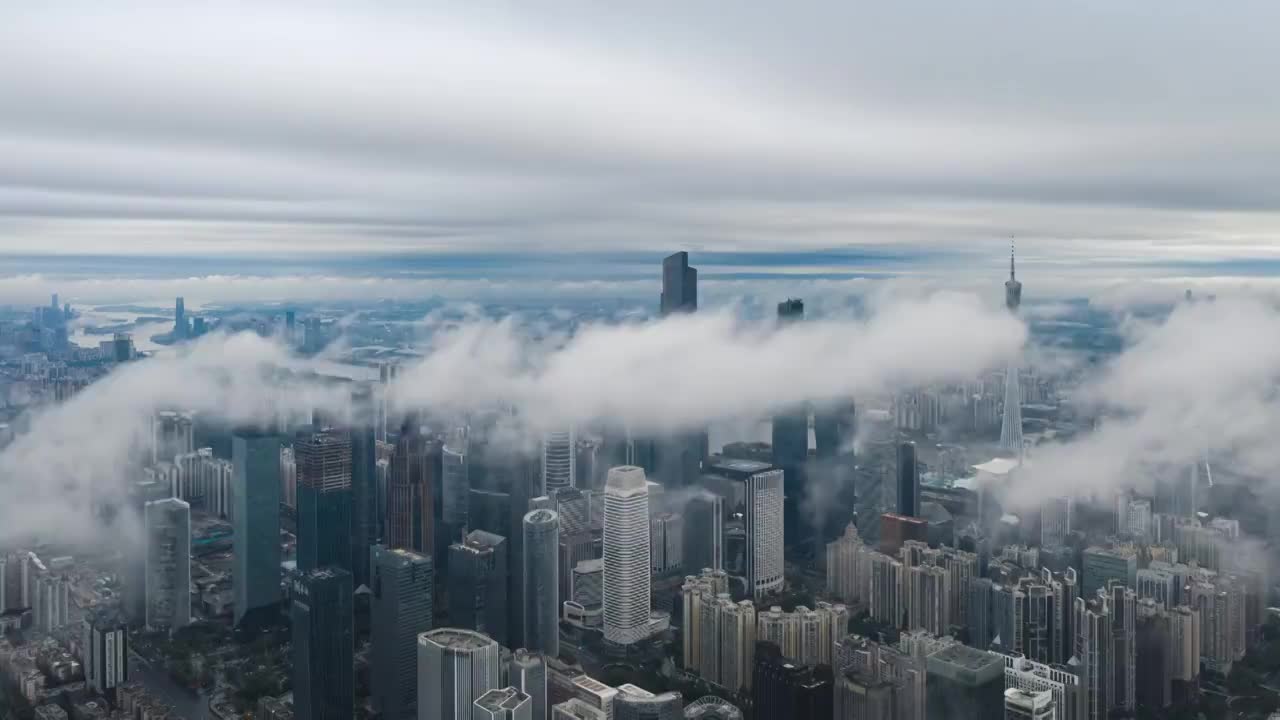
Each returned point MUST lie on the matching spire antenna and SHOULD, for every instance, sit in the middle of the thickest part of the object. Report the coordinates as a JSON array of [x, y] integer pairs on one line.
[[1011, 248]]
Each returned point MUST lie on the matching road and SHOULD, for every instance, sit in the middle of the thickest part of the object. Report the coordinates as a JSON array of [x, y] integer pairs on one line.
[[159, 684]]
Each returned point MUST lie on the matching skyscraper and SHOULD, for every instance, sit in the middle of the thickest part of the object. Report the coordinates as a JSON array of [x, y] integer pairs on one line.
[[168, 571], [180, 327], [366, 514], [455, 484], [542, 582], [455, 668], [964, 684], [323, 645], [256, 512], [782, 690], [1055, 521], [559, 460], [105, 650], [401, 586], [323, 462], [1123, 604], [761, 493], [791, 445], [679, 284], [704, 532], [477, 585], [626, 555], [908, 481], [1103, 564], [528, 672], [504, 476], [410, 489], [1011, 425], [172, 434], [1093, 649]]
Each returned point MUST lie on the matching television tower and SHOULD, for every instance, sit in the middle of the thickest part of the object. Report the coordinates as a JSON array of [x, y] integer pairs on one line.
[[1011, 427]]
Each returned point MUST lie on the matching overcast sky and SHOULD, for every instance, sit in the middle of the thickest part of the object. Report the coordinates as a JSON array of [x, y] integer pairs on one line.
[[1090, 130]]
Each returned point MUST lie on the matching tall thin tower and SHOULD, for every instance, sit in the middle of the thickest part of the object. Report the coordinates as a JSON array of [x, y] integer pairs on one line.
[[626, 555], [1011, 428]]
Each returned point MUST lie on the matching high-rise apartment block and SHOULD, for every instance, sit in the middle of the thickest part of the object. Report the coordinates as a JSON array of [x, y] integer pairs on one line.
[[168, 564]]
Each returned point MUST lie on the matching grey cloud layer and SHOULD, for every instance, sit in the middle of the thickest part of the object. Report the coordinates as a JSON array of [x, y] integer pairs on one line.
[[146, 127]]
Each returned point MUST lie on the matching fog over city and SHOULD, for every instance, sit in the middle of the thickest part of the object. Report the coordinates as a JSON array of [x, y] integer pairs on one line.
[[1182, 388], [834, 361]]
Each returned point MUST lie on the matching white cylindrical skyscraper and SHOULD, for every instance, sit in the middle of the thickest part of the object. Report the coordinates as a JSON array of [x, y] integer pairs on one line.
[[455, 668], [559, 464], [626, 555]]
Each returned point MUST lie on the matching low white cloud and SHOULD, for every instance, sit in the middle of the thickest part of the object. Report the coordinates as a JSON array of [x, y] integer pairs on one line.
[[1201, 382], [665, 374]]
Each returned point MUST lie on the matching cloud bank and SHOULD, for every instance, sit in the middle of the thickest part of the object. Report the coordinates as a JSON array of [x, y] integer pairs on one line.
[[657, 375], [248, 128], [1201, 380]]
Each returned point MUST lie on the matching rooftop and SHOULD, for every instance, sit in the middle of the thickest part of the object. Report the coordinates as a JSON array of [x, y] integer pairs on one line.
[[740, 465], [965, 664], [507, 698], [541, 516], [456, 639], [626, 477], [997, 466]]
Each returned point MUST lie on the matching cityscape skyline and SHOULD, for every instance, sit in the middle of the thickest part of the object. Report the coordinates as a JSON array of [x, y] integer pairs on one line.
[[981, 574], [710, 361]]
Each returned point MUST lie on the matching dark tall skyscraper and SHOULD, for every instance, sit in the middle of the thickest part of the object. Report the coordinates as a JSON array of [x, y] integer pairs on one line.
[[180, 327], [365, 515], [790, 310], [411, 487], [791, 447], [834, 426], [478, 585], [324, 500], [679, 284], [541, 582], [402, 582], [255, 480], [782, 690], [134, 570], [323, 645], [503, 479], [908, 481]]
